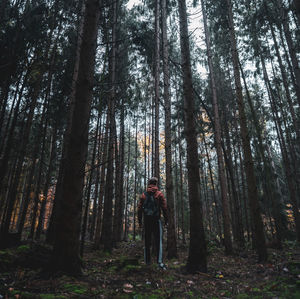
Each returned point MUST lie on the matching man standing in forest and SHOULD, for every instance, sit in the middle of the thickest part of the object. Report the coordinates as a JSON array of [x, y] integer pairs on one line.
[[151, 203]]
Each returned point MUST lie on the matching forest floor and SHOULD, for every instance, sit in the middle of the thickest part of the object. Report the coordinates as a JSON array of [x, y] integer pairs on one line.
[[123, 274]]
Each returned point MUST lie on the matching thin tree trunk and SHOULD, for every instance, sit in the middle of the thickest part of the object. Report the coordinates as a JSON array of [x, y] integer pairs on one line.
[[218, 142], [171, 240], [287, 167], [107, 236], [270, 189], [156, 88], [285, 84], [135, 179], [13, 190], [260, 242], [47, 183], [119, 202], [97, 181], [88, 193]]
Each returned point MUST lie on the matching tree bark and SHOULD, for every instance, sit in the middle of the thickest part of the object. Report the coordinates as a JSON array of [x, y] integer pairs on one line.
[[171, 240], [67, 230], [107, 236], [197, 249], [156, 88]]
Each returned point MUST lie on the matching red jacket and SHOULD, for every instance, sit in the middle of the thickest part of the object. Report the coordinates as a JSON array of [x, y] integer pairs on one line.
[[161, 202]]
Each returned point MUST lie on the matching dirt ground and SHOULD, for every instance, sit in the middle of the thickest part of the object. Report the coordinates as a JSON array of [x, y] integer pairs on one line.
[[123, 274]]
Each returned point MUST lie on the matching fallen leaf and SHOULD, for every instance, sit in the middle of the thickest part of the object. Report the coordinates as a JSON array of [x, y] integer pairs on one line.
[[127, 291], [128, 285]]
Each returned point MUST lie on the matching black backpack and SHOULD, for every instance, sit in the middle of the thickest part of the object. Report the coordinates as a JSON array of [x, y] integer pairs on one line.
[[150, 205]]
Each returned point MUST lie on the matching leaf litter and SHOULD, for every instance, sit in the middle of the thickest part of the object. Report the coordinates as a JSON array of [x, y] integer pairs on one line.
[[123, 274]]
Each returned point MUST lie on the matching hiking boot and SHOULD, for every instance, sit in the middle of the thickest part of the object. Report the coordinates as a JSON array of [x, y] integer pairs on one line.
[[162, 266]]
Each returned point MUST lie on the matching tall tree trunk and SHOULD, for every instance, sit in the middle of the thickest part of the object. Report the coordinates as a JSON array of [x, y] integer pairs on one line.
[[197, 249], [260, 242], [125, 237], [102, 185], [107, 236], [156, 88], [135, 178], [67, 230], [97, 182], [181, 191], [218, 142], [119, 202], [171, 240], [58, 190]]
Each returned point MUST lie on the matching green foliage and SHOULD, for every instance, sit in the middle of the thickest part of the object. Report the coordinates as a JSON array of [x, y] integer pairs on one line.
[[75, 288], [23, 249]]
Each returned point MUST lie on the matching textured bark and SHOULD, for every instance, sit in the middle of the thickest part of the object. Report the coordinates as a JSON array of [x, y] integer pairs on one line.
[[156, 90], [135, 179], [107, 236], [171, 240], [97, 182], [126, 224], [260, 242], [182, 205], [58, 189], [197, 248], [119, 202], [67, 230], [102, 187]]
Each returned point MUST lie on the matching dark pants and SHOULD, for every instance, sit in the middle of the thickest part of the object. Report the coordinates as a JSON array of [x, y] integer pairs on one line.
[[153, 228]]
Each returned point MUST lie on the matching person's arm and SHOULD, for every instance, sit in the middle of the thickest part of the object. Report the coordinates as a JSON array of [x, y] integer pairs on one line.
[[140, 209], [163, 205]]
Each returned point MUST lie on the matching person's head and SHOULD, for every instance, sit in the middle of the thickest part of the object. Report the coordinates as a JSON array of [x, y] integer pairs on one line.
[[153, 181]]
